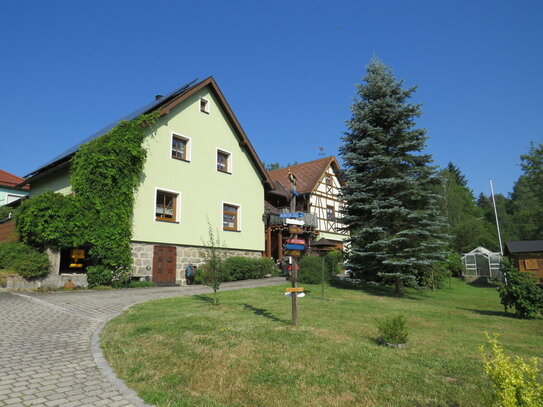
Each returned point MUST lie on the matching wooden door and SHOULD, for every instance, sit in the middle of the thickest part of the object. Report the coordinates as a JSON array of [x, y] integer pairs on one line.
[[164, 264]]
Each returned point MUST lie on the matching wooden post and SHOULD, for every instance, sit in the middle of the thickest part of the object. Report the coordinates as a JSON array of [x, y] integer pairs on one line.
[[280, 245], [294, 280], [268, 242]]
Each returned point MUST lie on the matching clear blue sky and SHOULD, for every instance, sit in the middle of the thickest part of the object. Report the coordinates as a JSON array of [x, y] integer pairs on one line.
[[288, 69]]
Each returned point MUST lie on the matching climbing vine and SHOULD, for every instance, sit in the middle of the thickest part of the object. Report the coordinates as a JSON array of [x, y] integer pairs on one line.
[[105, 173]]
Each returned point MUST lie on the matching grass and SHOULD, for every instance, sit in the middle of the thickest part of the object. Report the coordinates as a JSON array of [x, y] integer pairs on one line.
[[187, 352]]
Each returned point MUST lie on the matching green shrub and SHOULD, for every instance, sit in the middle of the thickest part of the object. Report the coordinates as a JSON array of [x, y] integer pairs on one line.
[[515, 383], [141, 284], [393, 330], [24, 260], [244, 268], [334, 261], [311, 270], [454, 264], [520, 292], [98, 276]]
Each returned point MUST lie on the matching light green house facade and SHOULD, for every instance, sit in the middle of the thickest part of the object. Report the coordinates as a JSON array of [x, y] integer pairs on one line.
[[200, 170]]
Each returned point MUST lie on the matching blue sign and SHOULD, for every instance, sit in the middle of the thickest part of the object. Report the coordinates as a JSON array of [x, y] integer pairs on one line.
[[291, 246], [292, 215]]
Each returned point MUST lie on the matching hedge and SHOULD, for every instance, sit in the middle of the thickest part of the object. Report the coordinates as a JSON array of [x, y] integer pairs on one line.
[[24, 260], [244, 268]]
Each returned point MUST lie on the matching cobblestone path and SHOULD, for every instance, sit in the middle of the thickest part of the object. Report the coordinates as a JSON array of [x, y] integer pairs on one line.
[[49, 344]]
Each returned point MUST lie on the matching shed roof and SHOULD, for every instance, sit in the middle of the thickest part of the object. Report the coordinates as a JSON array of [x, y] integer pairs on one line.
[[524, 246]]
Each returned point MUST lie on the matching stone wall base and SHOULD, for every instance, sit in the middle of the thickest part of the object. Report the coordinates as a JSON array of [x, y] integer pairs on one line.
[[50, 282], [142, 253]]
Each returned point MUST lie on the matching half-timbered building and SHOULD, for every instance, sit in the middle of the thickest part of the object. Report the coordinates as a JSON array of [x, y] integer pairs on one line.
[[316, 185]]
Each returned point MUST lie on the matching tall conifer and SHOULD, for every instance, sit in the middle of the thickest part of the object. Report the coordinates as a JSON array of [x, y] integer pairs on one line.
[[397, 232]]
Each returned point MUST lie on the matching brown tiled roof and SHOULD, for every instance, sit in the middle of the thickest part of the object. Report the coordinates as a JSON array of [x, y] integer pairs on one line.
[[10, 180], [307, 174], [270, 208]]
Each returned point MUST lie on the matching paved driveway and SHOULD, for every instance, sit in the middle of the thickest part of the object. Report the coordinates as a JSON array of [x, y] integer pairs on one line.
[[49, 344]]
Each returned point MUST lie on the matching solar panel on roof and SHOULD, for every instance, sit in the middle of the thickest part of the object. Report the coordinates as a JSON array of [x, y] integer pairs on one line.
[[149, 107]]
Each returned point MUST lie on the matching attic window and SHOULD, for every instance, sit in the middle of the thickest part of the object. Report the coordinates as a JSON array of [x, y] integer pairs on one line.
[[224, 161], [204, 105]]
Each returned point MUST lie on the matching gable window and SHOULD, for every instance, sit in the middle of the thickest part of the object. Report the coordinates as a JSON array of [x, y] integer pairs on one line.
[[328, 180], [166, 206], [224, 161], [230, 217], [180, 147], [330, 213], [204, 105]]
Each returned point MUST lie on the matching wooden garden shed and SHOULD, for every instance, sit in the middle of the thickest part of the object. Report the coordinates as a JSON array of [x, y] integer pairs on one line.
[[527, 256]]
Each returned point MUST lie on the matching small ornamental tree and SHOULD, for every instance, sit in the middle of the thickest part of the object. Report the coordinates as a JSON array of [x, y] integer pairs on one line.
[[212, 272], [397, 231]]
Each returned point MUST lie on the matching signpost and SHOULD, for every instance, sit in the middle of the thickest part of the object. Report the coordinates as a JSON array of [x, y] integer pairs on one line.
[[294, 289], [292, 253], [292, 215], [295, 230], [290, 246], [295, 222], [296, 241]]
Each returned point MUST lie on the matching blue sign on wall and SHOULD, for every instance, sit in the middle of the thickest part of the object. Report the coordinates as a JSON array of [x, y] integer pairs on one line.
[[292, 215], [291, 246]]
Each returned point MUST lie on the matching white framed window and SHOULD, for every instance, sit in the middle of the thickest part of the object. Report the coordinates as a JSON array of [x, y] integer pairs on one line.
[[224, 161], [231, 217], [204, 105], [181, 147], [167, 205]]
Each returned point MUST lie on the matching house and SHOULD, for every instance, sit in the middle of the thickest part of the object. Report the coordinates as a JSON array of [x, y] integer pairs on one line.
[[9, 188], [316, 185], [527, 255], [200, 168]]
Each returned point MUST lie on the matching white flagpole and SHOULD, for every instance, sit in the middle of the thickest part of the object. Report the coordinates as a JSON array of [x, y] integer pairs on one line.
[[496, 214]]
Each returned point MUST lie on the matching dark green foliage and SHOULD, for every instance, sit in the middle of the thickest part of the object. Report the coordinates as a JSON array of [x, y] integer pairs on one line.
[[311, 270], [244, 268], [334, 261], [392, 200], [393, 330], [105, 173], [141, 284], [24, 260], [454, 265], [455, 172], [98, 276], [520, 292], [52, 220]]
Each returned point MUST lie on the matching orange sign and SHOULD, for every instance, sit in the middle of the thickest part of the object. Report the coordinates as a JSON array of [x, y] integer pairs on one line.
[[294, 289]]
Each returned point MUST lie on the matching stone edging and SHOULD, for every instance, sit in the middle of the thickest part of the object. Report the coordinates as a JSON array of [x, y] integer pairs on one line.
[[105, 368]]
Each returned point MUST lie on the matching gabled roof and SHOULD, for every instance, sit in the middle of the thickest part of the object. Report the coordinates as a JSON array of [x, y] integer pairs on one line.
[[164, 105], [308, 174], [9, 180], [524, 246]]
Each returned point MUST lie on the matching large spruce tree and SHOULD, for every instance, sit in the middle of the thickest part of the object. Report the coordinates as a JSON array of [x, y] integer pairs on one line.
[[397, 232]]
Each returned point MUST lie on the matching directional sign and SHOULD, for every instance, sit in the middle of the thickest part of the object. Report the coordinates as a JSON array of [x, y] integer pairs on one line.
[[289, 268], [294, 289], [295, 222], [292, 215], [296, 241], [290, 246], [298, 295], [292, 253], [295, 230]]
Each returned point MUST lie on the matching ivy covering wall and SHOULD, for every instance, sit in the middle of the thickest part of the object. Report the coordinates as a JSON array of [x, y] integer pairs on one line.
[[105, 174]]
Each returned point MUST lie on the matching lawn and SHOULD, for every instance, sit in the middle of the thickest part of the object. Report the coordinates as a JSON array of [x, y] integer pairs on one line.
[[187, 352]]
